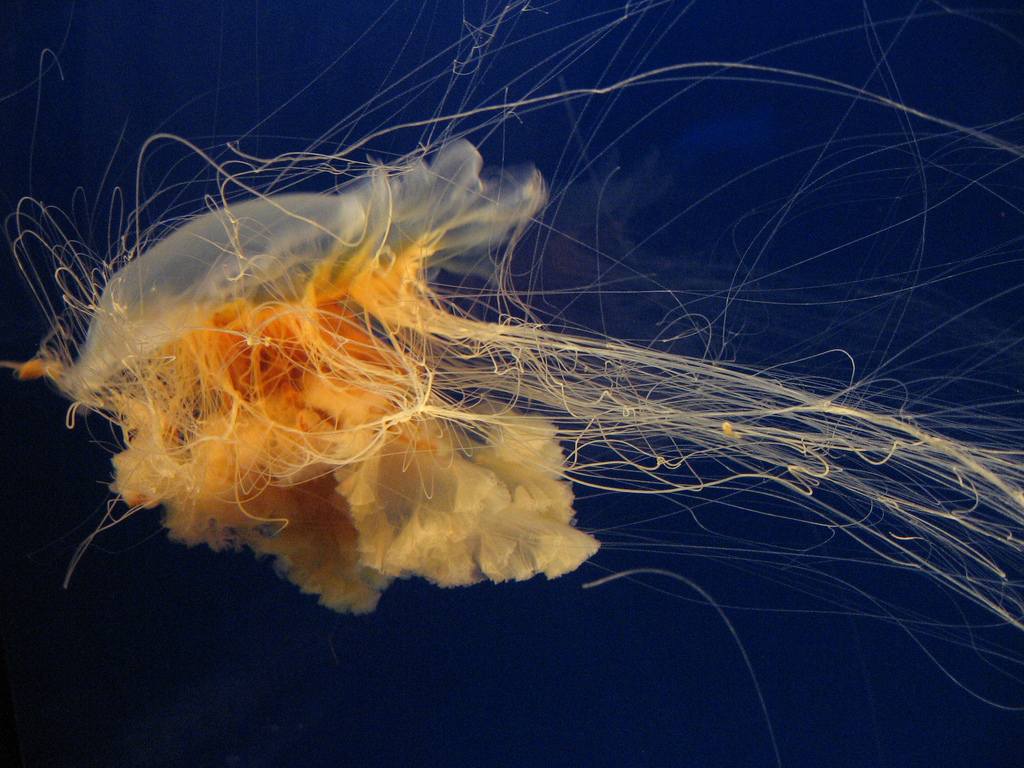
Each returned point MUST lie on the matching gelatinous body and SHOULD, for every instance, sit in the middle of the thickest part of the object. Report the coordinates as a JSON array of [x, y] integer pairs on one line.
[[271, 366]]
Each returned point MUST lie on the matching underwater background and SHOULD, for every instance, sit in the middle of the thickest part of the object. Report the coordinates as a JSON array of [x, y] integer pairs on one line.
[[157, 655]]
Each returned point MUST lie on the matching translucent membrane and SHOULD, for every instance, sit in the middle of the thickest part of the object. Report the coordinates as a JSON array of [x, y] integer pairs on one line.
[[271, 366]]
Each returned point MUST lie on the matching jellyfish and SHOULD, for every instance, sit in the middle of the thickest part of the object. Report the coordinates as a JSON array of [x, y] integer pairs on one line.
[[343, 359], [285, 377]]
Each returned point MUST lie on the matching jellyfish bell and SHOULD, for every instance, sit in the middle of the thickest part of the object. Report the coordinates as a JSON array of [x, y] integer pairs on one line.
[[271, 367]]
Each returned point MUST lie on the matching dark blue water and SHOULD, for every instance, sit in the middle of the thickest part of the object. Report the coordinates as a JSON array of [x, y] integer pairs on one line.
[[156, 655]]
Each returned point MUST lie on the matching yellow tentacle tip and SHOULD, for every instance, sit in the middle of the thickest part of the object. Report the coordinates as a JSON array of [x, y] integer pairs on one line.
[[36, 368]]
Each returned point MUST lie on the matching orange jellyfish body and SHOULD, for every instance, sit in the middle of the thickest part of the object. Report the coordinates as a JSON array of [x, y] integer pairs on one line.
[[270, 366]]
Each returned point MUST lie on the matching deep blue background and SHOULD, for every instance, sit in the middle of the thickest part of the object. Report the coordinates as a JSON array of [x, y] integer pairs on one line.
[[157, 655]]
